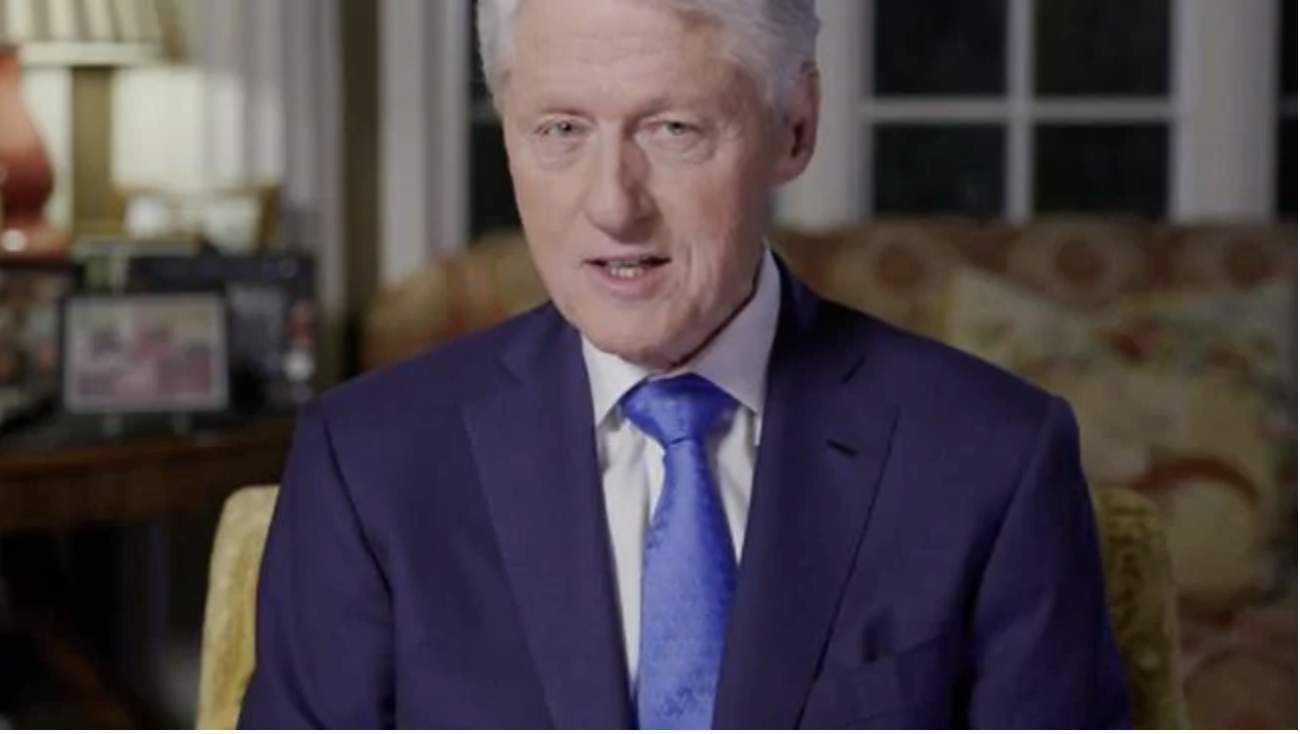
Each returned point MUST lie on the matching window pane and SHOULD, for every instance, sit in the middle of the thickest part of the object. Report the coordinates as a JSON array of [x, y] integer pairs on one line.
[[921, 169], [1286, 168], [1120, 169], [1102, 47], [939, 46], [492, 196]]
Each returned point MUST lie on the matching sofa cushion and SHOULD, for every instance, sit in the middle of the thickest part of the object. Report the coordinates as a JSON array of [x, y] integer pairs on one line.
[[1194, 440]]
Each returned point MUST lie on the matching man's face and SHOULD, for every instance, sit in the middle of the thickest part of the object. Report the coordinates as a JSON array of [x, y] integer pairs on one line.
[[643, 160]]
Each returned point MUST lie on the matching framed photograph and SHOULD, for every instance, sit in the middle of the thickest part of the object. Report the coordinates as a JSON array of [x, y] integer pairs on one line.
[[273, 316], [145, 353], [31, 295]]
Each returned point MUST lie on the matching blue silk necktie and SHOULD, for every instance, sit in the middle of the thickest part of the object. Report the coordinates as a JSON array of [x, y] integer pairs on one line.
[[689, 574]]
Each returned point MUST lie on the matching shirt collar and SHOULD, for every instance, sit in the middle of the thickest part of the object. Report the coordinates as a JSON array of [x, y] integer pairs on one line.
[[735, 360]]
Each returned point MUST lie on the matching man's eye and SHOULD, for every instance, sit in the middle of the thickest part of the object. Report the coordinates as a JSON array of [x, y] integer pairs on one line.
[[560, 129], [676, 129]]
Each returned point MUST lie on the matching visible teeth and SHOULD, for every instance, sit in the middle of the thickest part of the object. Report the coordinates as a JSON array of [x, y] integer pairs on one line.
[[625, 271], [630, 268]]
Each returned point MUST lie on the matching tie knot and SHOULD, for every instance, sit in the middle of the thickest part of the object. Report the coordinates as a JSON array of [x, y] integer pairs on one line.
[[676, 409]]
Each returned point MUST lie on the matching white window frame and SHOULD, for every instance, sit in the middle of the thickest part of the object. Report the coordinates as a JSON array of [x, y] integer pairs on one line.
[[1221, 112]]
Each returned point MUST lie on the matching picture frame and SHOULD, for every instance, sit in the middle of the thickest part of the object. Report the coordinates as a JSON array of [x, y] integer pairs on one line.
[[31, 297], [274, 317], [240, 218], [145, 354]]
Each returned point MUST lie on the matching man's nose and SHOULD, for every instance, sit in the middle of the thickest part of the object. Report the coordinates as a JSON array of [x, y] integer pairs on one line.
[[618, 202]]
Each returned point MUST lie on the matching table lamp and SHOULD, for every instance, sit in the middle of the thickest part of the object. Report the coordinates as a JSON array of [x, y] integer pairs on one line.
[[65, 33]]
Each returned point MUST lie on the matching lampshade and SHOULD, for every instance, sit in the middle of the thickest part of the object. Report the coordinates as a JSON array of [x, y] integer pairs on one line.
[[84, 32]]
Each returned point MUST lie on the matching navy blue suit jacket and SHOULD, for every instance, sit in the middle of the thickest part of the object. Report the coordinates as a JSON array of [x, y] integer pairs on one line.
[[920, 548]]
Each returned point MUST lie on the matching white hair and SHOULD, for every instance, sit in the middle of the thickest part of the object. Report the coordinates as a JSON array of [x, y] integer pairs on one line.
[[772, 40]]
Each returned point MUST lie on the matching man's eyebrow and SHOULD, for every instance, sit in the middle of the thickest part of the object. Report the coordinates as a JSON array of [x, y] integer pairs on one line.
[[566, 110], [649, 108]]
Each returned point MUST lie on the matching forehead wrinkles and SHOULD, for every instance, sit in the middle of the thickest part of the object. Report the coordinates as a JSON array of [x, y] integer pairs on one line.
[[598, 53]]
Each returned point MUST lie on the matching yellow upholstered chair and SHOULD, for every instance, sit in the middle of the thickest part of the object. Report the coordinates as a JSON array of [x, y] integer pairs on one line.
[[227, 656], [1131, 536]]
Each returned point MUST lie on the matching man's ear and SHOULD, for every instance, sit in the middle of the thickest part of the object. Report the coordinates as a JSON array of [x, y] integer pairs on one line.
[[798, 135]]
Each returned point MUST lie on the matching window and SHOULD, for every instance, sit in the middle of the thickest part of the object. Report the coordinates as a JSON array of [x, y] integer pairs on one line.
[[1026, 108], [1016, 107]]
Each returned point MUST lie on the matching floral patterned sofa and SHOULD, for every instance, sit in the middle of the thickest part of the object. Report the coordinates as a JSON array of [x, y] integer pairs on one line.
[[1174, 344]]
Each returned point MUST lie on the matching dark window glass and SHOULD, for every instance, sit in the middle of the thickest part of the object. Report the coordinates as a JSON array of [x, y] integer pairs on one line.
[[1102, 47], [492, 196], [920, 169], [1121, 169], [939, 46], [1286, 167]]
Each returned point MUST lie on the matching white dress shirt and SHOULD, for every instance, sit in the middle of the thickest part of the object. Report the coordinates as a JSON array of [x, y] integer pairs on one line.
[[631, 464]]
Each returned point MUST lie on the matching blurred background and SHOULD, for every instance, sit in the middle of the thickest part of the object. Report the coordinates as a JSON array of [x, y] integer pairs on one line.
[[211, 210]]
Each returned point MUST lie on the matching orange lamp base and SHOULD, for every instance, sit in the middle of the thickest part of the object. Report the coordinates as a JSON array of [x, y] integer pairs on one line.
[[26, 176]]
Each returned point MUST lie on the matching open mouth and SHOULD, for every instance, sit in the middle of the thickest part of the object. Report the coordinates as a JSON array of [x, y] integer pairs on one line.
[[628, 268]]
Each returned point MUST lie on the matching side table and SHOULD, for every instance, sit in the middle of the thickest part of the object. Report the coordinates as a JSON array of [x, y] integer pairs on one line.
[[66, 473]]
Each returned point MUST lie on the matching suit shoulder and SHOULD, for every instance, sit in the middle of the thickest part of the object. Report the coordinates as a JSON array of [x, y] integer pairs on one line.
[[434, 378]]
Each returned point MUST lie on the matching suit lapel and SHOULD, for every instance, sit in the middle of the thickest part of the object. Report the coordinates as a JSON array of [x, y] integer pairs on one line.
[[822, 453], [534, 445]]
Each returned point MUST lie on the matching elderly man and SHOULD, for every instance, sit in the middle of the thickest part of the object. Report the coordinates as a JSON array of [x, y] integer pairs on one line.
[[686, 492]]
